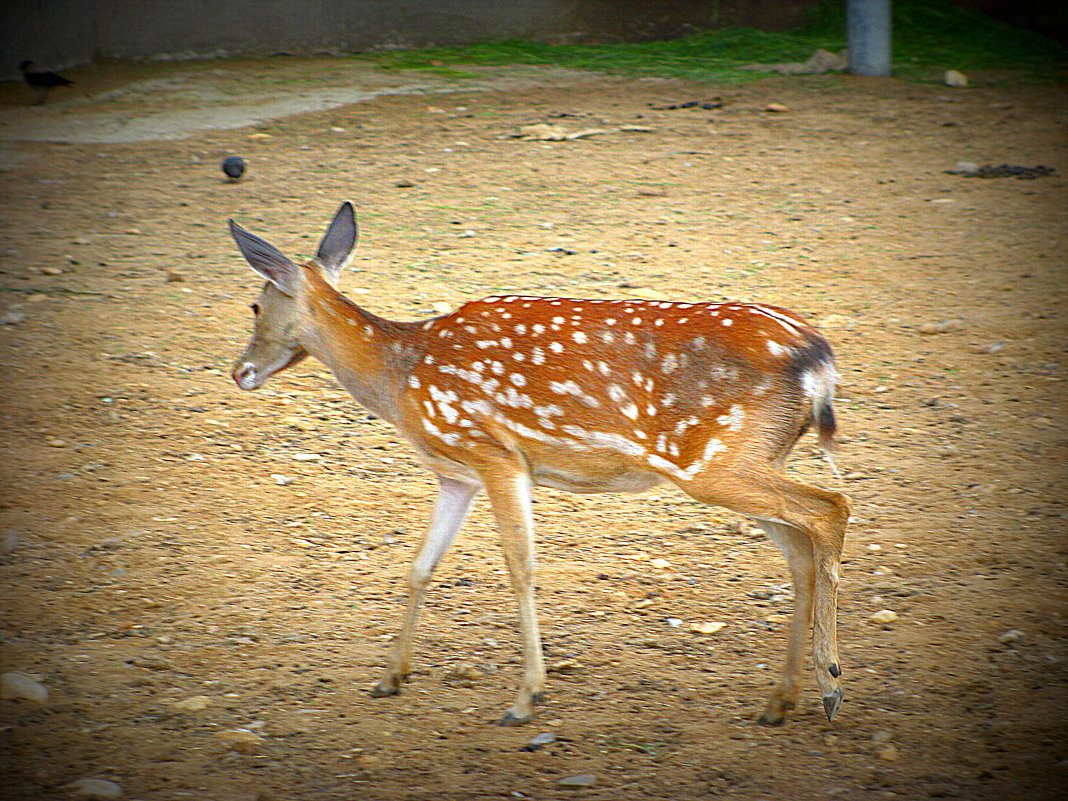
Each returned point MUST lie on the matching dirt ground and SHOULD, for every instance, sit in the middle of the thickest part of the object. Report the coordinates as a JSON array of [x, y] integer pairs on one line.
[[206, 629]]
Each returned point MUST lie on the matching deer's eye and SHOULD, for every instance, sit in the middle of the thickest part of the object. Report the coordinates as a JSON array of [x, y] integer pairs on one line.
[[255, 308]]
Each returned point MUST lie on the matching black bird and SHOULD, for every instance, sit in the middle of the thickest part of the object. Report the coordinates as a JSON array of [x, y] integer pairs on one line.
[[42, 81], [234, 167]]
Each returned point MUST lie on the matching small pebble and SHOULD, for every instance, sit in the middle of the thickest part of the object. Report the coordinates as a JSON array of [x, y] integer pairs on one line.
[[194, 704], [580, 780], [281, 480], [954, 78], [94, 788], [9, 543], [538, 740], [15, 686], [12, 317], [884, 616], [887, 752], [660, 564], [1011, 636], [943, 327], [706, 628], [776, 108]]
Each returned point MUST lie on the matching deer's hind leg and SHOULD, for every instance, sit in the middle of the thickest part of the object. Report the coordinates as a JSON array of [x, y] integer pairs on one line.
[[809, 525]]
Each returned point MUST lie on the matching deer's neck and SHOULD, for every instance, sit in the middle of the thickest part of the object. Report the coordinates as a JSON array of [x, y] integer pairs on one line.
[[370, 356]]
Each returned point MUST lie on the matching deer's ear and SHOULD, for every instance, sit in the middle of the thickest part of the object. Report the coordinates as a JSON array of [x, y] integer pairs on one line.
[[339, 241], [267, 260]]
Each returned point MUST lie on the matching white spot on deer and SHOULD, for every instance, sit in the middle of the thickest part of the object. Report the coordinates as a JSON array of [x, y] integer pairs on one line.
[[637, 321], [616, 393], [609, 320], [538, 328], [629, 338], [775, 349], [521, 329], [497, 368], [413, 382], [605, 439], [607, 337], [519, 357], [650, 410], [699, 344], [476, 407], [587, 364], [556, 347], [428, 360], [549, 410], [668, 399], [659, 321], [630, 410], [579, 337], [486, 343], [712, 447], [506, 342], [518, 379], [604, 369], [537, 356], [707, 400], [689, 422], [733, 419], [670, 363], [727, 321], [471, 329], [430, 410]]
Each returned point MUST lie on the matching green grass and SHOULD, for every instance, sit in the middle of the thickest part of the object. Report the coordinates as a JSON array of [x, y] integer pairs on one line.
[[929, 36]]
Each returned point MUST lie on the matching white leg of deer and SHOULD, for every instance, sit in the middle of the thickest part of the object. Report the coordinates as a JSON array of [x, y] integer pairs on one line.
[[509, 495], [818, 515], [453, 501], [797, 549]]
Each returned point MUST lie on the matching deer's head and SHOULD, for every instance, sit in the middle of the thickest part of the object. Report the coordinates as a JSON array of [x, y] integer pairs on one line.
[[277, 338]]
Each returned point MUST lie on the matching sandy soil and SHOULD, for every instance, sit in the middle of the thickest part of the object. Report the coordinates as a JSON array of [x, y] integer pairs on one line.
[[150, 556]]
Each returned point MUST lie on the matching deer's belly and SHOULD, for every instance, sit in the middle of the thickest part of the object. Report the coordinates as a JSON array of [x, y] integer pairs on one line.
[[561, 478]]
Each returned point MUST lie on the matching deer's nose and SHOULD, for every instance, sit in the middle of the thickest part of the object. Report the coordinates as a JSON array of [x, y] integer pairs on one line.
[[245, 375]]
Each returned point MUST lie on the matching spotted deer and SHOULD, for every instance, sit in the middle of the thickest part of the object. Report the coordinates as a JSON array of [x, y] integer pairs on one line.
[[513, 391]]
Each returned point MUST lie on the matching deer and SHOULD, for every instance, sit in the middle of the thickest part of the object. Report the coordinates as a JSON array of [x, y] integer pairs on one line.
[[583, 395]]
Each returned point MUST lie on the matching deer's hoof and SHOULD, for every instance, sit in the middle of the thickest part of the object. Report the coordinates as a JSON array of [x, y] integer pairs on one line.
[[832, 702]]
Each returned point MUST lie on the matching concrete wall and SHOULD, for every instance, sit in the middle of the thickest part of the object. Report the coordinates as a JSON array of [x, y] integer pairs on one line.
[[63, 33]]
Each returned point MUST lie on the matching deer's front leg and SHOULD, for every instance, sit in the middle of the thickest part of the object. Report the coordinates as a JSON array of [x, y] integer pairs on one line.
[[509, 495], [450, 510]]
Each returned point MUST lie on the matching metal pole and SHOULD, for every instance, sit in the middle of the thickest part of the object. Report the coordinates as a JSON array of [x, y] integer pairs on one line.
[[868, 33]]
